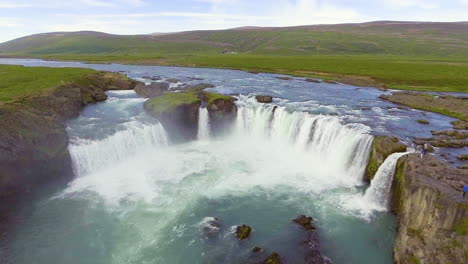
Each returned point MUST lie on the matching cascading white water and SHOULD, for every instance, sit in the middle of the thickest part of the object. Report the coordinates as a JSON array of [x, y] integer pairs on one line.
[[203, 123], [91, 155], [340, 151], [378, 193]]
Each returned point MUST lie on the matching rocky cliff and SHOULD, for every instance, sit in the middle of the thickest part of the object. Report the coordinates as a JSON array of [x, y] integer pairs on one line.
[[432, 215], [33, 140], [382, 147]]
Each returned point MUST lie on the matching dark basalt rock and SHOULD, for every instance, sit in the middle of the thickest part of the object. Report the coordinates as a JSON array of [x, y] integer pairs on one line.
[[284, 78], [312, 80], [264, 98], [222, 114], [243, 232], [305, 222], [212, 227], [152, 90], [257, 249]]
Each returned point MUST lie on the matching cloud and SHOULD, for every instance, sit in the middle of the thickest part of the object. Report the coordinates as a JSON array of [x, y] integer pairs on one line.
[[306, 12], [425, 4], [97, 3], [6, 4]]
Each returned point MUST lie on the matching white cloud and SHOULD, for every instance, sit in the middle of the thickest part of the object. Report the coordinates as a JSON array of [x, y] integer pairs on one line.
[[8, 4], [425, 4], [97, 3], [307, 12]]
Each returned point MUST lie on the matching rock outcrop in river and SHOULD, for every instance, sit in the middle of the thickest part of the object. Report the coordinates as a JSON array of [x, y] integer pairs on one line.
[[178, 111], [151, 90], [382, 147], [33, 140], [432, 216]]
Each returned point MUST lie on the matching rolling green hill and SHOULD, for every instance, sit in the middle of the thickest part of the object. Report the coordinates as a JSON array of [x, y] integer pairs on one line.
[[395, 38], [400, 55]]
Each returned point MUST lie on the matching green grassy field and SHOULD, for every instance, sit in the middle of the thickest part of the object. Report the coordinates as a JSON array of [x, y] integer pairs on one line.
[[398, 55], [17, 81]]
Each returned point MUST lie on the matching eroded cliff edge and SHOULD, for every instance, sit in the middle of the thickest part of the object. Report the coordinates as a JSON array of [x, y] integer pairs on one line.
[[33, 139], [432, 215]]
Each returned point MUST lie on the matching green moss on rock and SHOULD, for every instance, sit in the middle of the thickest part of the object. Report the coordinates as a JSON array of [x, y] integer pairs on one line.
[[462, 227], [274, 258], [170, 101], [211, 98], [423, 121], [398, 187], [243, 232]]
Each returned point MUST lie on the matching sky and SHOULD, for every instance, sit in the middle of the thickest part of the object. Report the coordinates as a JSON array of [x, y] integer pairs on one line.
[[25, 17]]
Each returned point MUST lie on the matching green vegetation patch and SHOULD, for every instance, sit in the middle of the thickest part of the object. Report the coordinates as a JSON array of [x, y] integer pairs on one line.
[[213, 97], [462, 227], [18, 81], [170, 100], [414, 260], [398, 188]]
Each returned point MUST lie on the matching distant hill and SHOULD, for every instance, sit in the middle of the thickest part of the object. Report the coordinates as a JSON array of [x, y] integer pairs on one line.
[[380, 37]]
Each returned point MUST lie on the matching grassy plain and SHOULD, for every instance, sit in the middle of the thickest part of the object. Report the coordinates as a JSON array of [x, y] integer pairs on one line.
[[17, 81]]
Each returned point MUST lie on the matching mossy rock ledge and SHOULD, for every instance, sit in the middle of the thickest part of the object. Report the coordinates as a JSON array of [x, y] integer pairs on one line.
[[382, 147], [431, 212], [178, 111], [33, 139]]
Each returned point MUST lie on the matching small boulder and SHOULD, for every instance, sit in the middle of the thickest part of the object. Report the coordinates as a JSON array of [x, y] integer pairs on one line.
[[312, 80], [211, 226], [423, 121], [152, 90], [257, 249], [463, 157], [264, 99], [274, 258], [173, 80], [284, 78], [243, 232], [305, 221]]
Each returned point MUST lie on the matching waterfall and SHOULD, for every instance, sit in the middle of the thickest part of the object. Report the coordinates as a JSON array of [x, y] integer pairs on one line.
[[345, 148], [203, 124], [90, 155], [379, 191]]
